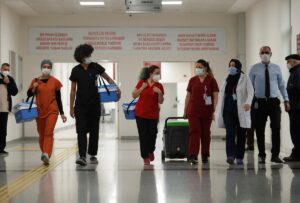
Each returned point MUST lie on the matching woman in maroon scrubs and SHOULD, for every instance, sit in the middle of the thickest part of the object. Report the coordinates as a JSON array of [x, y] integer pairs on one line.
[[200, 105]]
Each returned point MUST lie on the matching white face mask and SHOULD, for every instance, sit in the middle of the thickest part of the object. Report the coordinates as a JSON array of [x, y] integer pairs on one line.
[[265, 58], [289, 66], [156, 77], [5, 73], [87, 60], [200, 71], [46, 71]]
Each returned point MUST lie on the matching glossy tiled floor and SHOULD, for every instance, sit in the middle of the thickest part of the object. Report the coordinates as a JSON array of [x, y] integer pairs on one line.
[[121, 177]]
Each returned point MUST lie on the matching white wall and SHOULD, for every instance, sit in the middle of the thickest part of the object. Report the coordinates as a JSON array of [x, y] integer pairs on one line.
[[295, 16], [129, 65], [268, 23], [10, 41]]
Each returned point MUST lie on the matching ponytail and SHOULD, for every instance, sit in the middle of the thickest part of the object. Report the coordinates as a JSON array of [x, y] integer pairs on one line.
[[207, 66]]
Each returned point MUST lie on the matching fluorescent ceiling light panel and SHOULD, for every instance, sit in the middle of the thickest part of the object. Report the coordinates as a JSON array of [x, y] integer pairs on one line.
[[171, 2], [92, 3]]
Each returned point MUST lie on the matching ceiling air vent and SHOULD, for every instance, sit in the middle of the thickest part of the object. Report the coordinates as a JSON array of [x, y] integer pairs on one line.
[[143, 6]]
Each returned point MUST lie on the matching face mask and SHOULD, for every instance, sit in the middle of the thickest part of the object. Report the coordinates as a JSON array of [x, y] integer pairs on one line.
[[265, 58], [46, 71], [232, 70], [87, 60], [6, 73], [200, 71], [289, 66], [156, 77]]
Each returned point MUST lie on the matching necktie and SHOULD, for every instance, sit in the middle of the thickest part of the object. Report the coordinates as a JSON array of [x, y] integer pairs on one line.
[[267, 85]]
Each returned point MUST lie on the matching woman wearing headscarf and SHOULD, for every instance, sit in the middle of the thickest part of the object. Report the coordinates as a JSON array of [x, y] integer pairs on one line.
[[233, 111]]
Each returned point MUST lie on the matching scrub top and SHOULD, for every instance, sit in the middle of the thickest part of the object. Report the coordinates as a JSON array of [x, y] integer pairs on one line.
[[46, 96], [197, 89], [87, 96], [147, 105]]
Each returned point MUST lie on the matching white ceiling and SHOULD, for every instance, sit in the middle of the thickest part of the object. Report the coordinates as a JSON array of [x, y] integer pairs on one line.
[[67, 7]]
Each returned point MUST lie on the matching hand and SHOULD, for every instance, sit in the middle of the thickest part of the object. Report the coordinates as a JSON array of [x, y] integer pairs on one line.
[[287, 106], [72, 112], [6, 80], [119, 93], [247, 107], [35, 85], [63, 118], [213, 117], [157, 90], [144, 85]]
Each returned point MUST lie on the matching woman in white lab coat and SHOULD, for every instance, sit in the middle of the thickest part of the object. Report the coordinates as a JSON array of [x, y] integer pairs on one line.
[[233, 111]]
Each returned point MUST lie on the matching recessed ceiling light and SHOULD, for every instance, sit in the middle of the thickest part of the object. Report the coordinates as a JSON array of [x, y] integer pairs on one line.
[[171, 2], [92, 3]]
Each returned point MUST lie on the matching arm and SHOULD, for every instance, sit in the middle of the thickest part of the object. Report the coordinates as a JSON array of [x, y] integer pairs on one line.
[[250, 91], [12, 87], [59, 102], [136, 92], [282, 87], [112, 82], [72, 98], [215, 99], [161, 98], [186, 103]]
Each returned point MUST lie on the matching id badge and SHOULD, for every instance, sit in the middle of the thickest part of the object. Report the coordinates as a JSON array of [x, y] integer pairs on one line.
[[256, 105], [208, 101], [234, 97]]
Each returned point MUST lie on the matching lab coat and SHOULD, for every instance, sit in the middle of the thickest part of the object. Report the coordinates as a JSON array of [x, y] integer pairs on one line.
[[244, 93]]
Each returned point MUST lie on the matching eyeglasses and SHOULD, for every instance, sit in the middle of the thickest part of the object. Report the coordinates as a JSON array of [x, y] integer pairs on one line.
[[46, 67], [264, 52]]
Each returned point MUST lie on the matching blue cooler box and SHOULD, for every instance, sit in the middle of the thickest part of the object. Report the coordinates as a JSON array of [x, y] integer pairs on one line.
[[108, 96], [129, 110], [24, 114]]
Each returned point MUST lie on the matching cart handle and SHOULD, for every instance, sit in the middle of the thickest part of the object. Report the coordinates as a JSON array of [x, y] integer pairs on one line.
[[172, 118]]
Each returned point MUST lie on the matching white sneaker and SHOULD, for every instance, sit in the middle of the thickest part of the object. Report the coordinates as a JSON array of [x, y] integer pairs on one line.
[[45, 158]]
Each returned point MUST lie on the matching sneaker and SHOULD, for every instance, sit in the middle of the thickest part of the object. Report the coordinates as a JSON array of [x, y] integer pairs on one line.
[[250, 148], [193, 159], [290, 159], [45, 158], [204, 159], [239, 162], [276, 160], [151, 157], [81, 161], [146, 161], [230, 160], [94, 160], [262, 160], [4, 153]]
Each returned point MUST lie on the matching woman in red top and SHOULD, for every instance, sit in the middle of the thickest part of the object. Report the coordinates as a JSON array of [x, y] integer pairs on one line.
[[200, 104], [150, 93], [49, 106]]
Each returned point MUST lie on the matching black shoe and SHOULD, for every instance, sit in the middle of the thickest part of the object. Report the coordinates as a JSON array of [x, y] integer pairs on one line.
[[204, 159], [290, 159], [230, 160], [276, 160], [250, 148], [94, 160], [262, 160], [81, 161], [4, 153]]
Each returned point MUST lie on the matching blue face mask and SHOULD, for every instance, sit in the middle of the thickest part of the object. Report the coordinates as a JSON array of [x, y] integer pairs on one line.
[[233, 70]]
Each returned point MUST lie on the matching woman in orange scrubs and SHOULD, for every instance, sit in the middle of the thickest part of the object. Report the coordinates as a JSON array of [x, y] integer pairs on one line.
[[49, 105], [200, 104]]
